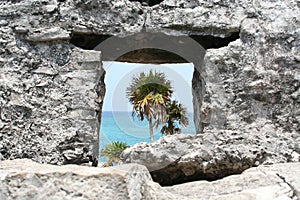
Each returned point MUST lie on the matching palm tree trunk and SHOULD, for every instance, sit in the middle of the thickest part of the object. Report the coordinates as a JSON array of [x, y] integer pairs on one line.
[[151, 130], [170, 127]]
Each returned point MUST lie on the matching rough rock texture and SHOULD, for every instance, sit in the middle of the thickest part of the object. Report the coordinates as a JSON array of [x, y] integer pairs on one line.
[[51, 92], [256, 77], [216, 154], [252, 82], [279, 181], [50, 113], [24, 179]]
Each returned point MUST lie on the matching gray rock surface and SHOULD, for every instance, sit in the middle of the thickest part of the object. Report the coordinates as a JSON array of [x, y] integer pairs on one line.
[[49, 115], [216, 154], [25, 179], [261, 183], [254, 78], [50, 92]]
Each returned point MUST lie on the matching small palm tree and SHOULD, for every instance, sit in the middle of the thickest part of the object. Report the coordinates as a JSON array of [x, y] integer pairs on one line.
[[150, 94], [176, 112], [112, 152]]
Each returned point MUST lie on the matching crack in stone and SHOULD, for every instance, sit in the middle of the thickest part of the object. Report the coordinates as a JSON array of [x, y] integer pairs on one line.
[[294, 195]]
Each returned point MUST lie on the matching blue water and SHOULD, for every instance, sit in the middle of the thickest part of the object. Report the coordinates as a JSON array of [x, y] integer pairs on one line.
[[120, 126]]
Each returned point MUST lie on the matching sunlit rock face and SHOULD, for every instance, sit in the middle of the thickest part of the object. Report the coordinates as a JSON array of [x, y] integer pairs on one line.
[[214, 155], [25, 179], [51, 90], [264, 182]]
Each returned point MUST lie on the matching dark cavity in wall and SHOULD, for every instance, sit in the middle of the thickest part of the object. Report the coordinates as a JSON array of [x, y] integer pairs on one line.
[[173, 174], [90, 41], [87, 41], [211, 42], [149, 55], [12, 1], [149, 2]]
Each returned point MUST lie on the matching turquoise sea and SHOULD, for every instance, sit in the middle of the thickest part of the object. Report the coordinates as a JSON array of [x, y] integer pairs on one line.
[[120, 126]]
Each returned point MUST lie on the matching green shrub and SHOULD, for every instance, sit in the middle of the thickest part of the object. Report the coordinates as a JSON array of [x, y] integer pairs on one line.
[[113, 151]]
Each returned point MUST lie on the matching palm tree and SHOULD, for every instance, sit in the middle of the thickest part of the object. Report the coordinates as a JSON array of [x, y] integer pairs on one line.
[[176, 112], [112, 152], [150, 94]]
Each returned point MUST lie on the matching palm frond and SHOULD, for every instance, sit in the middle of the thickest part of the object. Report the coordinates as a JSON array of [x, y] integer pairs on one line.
[[149, 94], [175, 112], [113, 151]]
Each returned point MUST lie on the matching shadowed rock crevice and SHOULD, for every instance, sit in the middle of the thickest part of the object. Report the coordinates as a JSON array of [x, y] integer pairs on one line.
[[151, 56], [148, 2], [178, 173], [87, 41], [212, 42]]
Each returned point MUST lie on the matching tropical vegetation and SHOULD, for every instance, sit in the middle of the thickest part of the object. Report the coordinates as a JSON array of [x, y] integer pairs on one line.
[[150, 94], [112, 152], [176, 112]]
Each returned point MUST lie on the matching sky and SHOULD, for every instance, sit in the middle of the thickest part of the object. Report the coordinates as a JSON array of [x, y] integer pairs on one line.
[[119, 75]]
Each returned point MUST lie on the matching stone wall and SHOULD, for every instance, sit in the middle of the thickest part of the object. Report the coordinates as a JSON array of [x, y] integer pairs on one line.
[[51, 97], [51, 92], [49, 112]]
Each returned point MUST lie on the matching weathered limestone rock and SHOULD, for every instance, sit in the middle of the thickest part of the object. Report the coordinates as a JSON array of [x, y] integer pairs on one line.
[[216, 154], [264, 182], [25, 179], [51, 113], [255, 77], [51, 34], [48, 109], [217, 18]]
